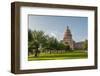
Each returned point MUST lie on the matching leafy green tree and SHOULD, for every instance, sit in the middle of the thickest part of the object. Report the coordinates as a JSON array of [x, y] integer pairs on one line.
[[37, 41], [40, 42], [67, 48], [51, 44], [30, 35], [85, 45], [30, 38]]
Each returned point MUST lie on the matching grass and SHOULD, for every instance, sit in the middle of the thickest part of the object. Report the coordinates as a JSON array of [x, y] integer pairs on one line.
[[60, 56]]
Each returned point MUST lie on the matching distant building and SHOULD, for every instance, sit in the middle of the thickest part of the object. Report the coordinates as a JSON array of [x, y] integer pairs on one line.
[[79, 45], [68, 40]]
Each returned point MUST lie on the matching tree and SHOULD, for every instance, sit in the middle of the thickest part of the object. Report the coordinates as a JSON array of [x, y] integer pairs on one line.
[[38, 38], [67, 48], [85, 45], [39, 42], [30, 35], [30, 38]]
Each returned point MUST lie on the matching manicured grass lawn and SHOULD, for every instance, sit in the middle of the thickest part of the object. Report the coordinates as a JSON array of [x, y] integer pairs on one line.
[[60, 56]]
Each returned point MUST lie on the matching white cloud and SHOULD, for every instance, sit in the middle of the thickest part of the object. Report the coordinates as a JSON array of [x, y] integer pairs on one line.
[[53, 34]]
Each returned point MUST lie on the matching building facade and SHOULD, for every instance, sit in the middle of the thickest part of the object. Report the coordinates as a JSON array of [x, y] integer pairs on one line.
[[68, 40]]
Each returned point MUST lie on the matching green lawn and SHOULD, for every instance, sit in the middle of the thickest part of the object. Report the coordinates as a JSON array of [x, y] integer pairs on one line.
[[60, 56]]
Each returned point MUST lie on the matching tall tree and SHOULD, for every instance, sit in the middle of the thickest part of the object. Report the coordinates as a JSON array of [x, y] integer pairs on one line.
[[30, 38], [37, 41], [29, 35], [85, 45]]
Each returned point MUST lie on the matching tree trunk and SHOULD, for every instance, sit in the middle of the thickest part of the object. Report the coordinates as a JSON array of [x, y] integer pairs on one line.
[[36, 52]]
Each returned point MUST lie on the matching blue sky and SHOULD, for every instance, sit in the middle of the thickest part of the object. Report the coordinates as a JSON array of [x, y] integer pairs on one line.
[[56, 26]]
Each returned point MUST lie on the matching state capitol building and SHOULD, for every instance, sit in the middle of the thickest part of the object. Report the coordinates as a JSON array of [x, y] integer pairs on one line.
[[68, 39]]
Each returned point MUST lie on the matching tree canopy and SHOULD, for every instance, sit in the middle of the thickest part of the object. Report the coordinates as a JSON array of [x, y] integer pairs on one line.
[[38, 41]]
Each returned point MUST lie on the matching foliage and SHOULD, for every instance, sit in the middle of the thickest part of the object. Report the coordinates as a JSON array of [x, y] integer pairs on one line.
[[39, 42], [85, 45], [29, 35]]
